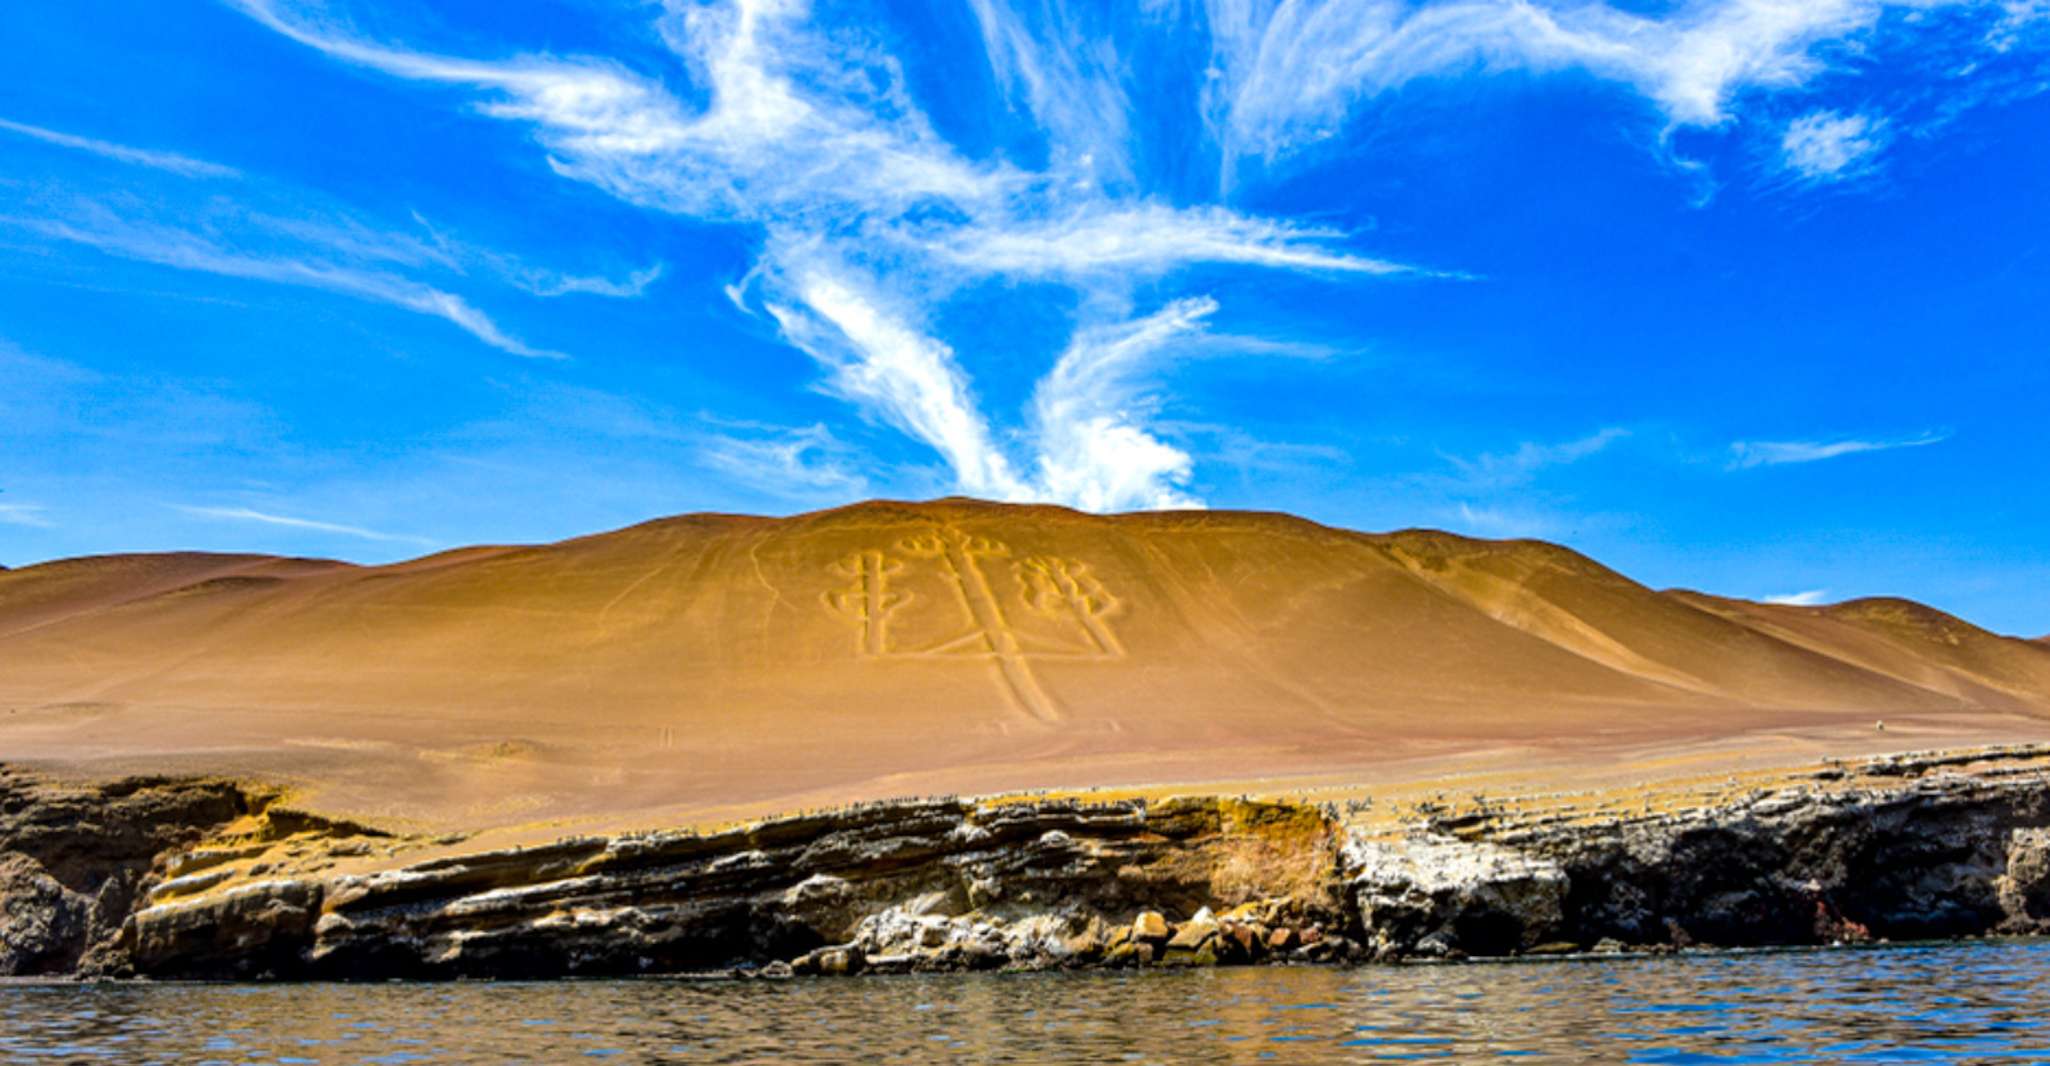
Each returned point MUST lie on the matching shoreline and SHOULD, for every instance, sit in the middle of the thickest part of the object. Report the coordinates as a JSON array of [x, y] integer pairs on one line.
[[722, 977], [168, 878]]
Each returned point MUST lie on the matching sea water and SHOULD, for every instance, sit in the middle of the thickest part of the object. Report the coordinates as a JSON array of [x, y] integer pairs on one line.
[[1970, 1002]]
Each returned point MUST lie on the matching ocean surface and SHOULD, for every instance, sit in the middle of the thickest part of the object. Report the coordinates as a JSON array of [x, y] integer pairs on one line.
[[1976, 1002]]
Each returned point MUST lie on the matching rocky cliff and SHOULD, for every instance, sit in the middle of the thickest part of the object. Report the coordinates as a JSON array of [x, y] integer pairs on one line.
[[74, 861], [214, 879], [1904, 847]]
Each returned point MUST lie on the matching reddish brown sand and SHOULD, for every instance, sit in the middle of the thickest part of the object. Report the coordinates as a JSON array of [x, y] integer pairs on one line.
[[716, 665]]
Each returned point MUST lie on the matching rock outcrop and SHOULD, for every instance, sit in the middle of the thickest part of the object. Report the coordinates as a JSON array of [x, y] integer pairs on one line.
[[938, 884], [74, 861], [1899, 848], [1439, 897], [209, 879]]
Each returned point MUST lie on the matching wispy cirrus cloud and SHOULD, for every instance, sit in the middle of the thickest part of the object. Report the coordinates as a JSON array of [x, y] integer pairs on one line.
[[550, 283], [870, 218], [911, 380], [801, 462], [1518, 467], [317, 266], [1808, 598], [1291, 72], [1150, 239], [1504, 521], [1495, 494], [1065, 71], [458, 254], [121, 153], [32, 515], [1248, 455], [1822, 147], [245, 514], [1745, 454], [1091, 413], [265, 232]]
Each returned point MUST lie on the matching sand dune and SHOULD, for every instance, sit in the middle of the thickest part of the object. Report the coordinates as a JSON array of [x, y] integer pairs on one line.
[[716, 662]]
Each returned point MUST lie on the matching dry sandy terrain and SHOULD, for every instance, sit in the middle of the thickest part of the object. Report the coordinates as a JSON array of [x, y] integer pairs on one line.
[[713, 666]]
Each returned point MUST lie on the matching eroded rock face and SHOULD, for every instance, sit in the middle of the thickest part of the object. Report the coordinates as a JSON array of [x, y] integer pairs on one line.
[[74, 859], [205, 880], [1441, 896], [1908, 849], [943, 884], [249, 930], [41, 923]]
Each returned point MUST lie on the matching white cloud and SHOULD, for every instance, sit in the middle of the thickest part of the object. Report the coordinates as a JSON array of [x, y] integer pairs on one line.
[[813, 134], [871, 218], [1150, 239], [1746, 454], [1068, 78], [1517, 467], [1289, 72], [318, 265], [2017, 18], [805, 461], [299, 244], [1503, 522], [35, 516], [908, 378], [1089, 412], [539, 281], [817, 140], [1826, 146], [143, 157], [1489, 475], [548, 283], [1810, 598], [244, 514], [763, 147], [1249, 455], [99, 228]]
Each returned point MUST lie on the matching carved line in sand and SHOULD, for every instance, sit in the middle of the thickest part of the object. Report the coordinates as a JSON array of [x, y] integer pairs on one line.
[[1058, 590]]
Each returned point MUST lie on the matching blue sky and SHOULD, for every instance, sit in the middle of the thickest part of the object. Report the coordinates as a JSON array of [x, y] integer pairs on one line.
[[1751, 296]]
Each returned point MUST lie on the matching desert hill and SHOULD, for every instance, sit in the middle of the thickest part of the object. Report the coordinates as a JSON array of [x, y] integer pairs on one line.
[[716, 662]]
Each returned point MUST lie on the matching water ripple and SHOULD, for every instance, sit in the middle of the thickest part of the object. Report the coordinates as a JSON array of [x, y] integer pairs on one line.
[[1976, 1002]]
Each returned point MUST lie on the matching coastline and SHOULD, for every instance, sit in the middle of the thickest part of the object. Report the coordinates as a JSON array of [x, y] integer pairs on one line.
[[167, 878]]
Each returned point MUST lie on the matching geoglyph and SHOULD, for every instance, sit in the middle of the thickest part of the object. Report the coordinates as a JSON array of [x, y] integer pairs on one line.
[[1010, 610]]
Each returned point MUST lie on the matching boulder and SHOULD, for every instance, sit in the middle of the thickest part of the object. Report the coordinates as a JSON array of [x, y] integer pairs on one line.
[[1194, 942], [1130, 953], [1241, 942], [1193, 934], [839, 961], [1150, 925]]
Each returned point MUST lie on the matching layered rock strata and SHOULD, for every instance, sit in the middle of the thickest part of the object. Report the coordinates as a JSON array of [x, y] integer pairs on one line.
[[78, 862], [1899, 848], [935, 884], [210, 879]]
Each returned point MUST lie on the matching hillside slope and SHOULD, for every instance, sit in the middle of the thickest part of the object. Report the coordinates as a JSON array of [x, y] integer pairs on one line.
[[885, 648]]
